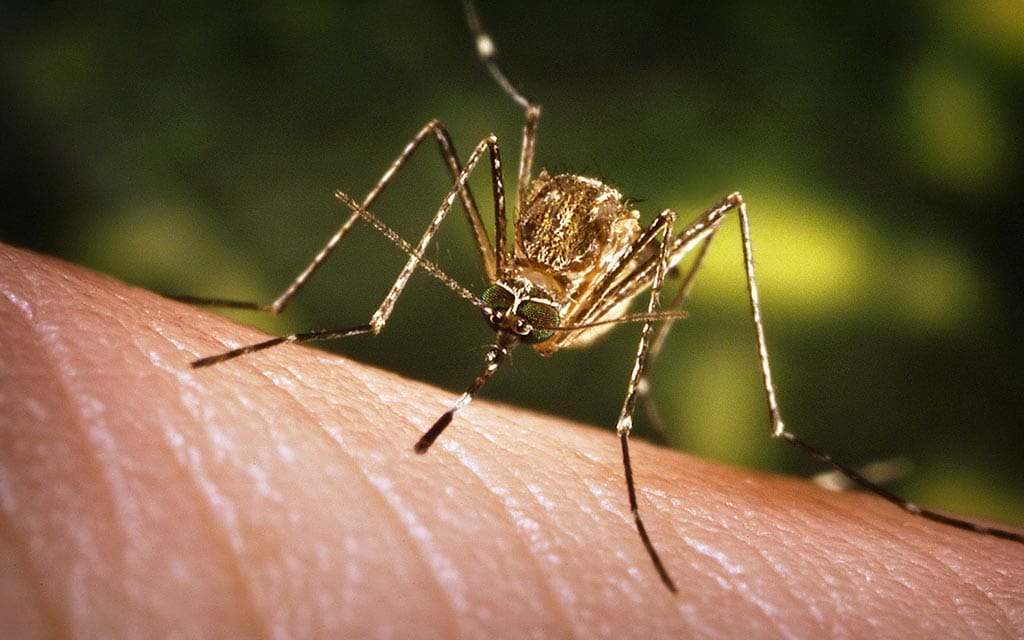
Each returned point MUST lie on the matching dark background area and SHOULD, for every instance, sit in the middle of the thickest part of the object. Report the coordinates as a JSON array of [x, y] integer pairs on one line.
[[194, 149]]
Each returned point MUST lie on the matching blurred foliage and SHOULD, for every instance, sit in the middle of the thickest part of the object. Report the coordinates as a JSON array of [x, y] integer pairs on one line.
[[193, 148]]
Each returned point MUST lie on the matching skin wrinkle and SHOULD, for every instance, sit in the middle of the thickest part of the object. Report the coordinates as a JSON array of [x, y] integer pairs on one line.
[[558, 587], [337, 445], [601, 498], [241, 581], [515, 522], [241, 575], [63, 379], [59, 616], [740, 588], [287, 394], [224, 538], [491, 484], [835, 541], [751, 594], [699, 617], [766, 551], [186, 471], [223, 535], [66, 374], [221, 528], [54, 618], [886, 536], [605, 551], [857, 580], [614, 502], [917, 562], [452, 448], [1004, 618], [332, 437], [407, 532], [744, 590], [401, 417]]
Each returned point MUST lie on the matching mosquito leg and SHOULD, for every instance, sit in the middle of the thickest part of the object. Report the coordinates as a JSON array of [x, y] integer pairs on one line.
[[778, 429], [631, 276], [434, 129], [451, 162], [625, 423], [643, 387], [685, 287], [663, 224], [489, 145], [383, 312], [906, 505], [635, 510], [295, 338]]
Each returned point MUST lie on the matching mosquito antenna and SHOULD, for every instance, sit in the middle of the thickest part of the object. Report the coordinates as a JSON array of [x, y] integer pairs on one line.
[[657, 316], [498, 353]]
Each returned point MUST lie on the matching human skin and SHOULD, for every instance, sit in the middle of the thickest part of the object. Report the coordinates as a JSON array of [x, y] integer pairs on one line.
[[278, 495]]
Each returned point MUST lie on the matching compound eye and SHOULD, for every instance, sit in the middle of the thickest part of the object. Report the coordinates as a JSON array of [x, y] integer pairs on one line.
[[498, 297], [543, 318]]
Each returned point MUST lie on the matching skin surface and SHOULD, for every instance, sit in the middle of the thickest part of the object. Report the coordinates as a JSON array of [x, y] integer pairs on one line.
[[278, 495]]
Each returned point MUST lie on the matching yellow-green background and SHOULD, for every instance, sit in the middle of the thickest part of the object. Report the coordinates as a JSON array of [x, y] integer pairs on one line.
[[194, 149]]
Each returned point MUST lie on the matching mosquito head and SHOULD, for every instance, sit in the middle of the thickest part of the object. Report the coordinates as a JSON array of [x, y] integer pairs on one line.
[[508, 309]]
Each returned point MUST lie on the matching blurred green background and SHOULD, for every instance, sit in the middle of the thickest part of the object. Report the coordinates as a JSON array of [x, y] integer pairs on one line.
[[194, 148]]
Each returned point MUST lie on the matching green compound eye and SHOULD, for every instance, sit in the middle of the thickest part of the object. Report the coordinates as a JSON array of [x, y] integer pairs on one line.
[[498, 297], [543, 317]]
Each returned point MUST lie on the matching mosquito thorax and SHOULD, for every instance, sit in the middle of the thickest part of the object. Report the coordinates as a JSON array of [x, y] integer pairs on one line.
[[508, 308], [573, 229]]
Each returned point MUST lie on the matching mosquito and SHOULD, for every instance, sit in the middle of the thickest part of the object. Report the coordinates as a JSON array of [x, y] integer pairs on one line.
[[579, 259]]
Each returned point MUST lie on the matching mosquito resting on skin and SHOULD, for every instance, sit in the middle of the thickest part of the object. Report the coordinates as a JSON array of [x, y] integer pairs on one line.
[[579, 259]]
